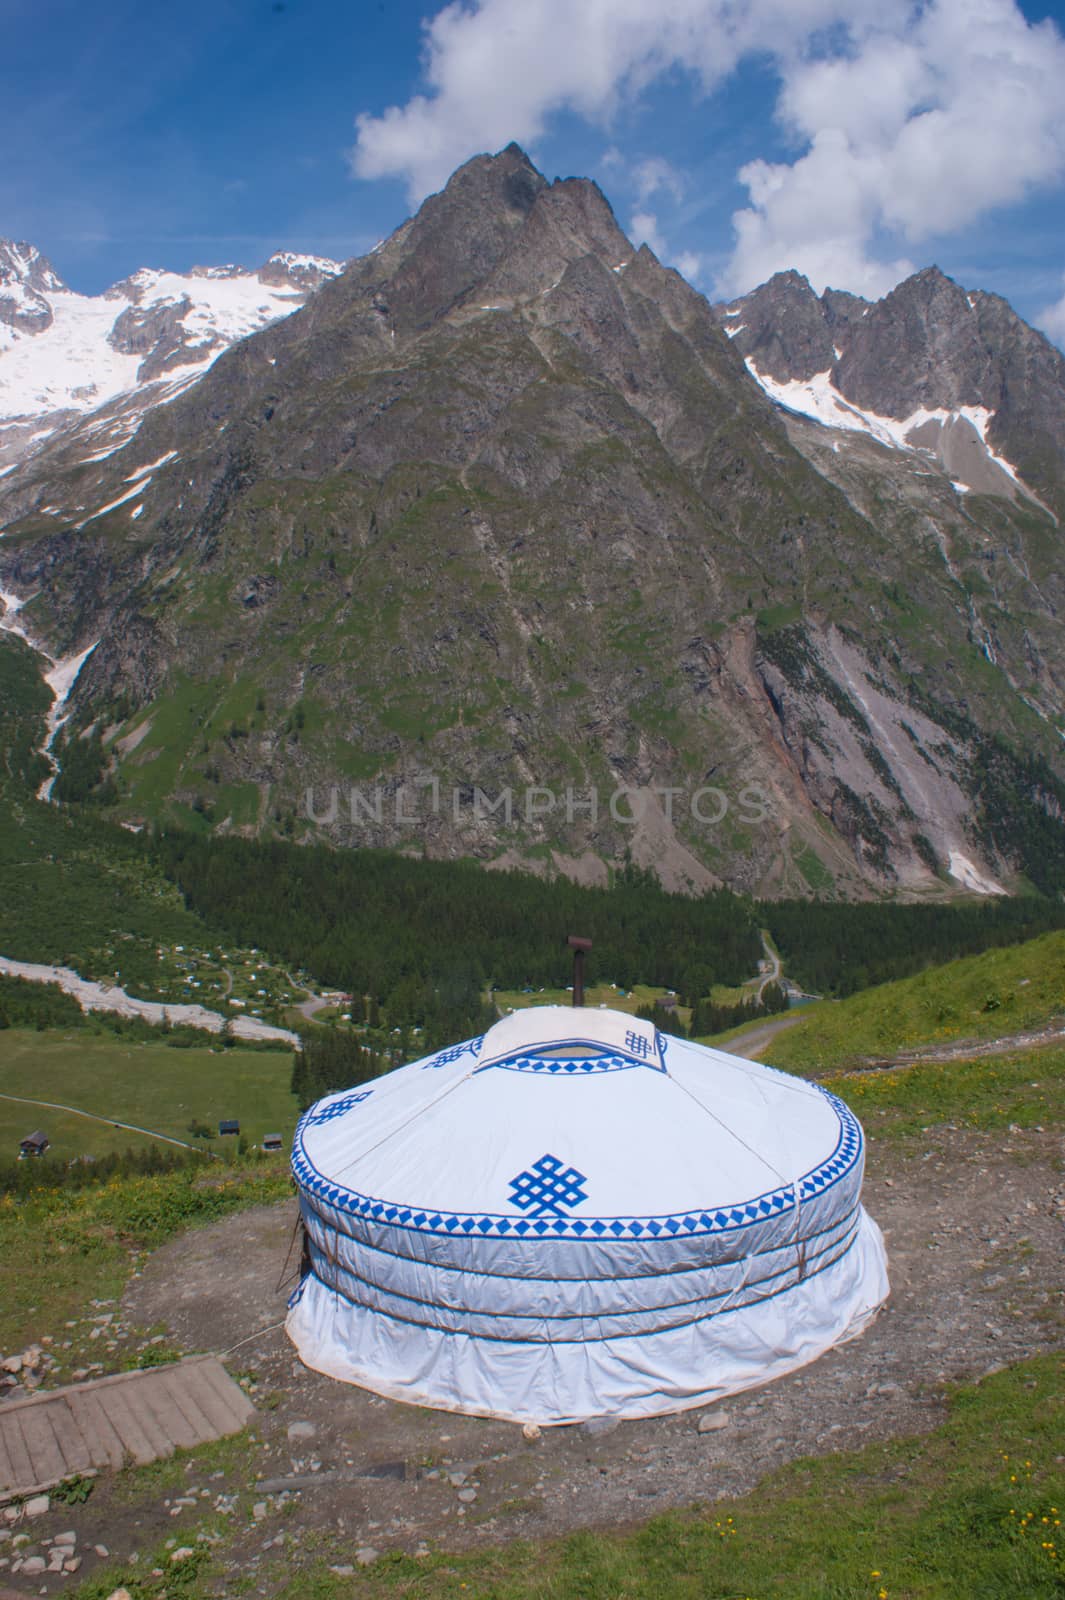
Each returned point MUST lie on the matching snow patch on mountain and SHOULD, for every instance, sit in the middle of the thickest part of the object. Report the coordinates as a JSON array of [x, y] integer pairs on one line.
[[10, 621], [60, 678], [152, 466], [64, 354], [939, 433], [112, 505]]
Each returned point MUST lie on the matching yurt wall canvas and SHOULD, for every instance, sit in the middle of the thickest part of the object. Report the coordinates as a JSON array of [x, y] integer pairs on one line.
[[576, 1215]]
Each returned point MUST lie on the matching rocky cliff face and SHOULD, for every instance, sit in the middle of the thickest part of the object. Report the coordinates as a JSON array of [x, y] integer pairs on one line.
[[928, 357], [497, 547]]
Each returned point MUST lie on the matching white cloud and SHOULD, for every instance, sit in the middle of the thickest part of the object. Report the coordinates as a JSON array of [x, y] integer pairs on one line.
[[917, 132], [643, 229], [816, 215], [496, 70], [910, 117], [654, 174], [1052, 321]]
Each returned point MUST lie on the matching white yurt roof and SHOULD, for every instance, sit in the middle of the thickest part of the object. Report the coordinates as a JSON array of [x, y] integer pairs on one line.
[[576, 1215]]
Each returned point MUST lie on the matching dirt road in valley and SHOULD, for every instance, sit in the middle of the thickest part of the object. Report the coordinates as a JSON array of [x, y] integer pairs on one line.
[[754, 1041]]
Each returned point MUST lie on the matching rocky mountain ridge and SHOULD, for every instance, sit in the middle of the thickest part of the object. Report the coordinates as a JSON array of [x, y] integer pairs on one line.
[[64, 355], [501, 525], [931, 366]]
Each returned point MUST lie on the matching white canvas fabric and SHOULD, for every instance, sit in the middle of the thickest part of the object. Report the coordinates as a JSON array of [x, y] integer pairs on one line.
[[575, 1216]]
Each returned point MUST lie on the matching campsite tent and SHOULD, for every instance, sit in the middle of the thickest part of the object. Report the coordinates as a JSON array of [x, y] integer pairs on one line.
[[576, 1215]]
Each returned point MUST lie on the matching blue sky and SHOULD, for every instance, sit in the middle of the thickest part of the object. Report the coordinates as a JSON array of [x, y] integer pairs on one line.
[[854, 140]]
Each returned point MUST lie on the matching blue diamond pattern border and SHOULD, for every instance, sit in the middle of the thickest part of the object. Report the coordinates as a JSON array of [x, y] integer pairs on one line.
[[723, 1219]]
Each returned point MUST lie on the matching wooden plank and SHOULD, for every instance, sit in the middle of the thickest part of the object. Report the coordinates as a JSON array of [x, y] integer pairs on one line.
[[217, 1415], [181, 1387], [16, 1449], [194, 1398], [97, 1429], [136, 1400], [7, 1470], [69, 1442], [214, 1376], [44, 1453], [222, 1397], [138, 1416], [137, 1441], [76, 1447], [154, 1400]]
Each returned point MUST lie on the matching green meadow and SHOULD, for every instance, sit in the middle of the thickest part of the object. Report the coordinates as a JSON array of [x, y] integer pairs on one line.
[[987, 996], [151, 1084]]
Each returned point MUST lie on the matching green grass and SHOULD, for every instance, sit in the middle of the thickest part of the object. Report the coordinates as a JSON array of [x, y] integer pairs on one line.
[[994, 1093], [150, 1084], [814, 870], [955, 1513], [63, 1248], [987, 996]]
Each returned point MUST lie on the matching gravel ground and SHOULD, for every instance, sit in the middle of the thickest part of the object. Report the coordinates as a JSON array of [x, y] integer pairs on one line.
[[974, 1232]]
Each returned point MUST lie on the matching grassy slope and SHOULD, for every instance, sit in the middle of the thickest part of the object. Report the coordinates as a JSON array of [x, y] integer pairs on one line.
[[148, 1084], [988, 996], [73, 890], [958, 1512], [75, 1246], [1026, 1090]]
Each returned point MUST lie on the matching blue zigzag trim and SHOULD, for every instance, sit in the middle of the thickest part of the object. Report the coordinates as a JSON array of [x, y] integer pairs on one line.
[[554, 1065], [721, 1219]]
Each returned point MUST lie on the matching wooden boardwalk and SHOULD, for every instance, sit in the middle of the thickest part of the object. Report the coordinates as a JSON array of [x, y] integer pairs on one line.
[[131, 1417]]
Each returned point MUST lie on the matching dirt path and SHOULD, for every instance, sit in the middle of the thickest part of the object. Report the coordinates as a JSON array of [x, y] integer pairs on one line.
[[773, 975], [313, 1003], [965, 1049], [92, 1116], [973, 1226], [753, 1042]]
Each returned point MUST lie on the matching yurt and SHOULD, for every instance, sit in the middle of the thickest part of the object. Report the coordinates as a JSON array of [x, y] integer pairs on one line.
[[576, 1215]]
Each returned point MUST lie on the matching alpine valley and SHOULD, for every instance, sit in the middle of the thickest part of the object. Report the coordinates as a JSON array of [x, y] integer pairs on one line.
[[506, 508]]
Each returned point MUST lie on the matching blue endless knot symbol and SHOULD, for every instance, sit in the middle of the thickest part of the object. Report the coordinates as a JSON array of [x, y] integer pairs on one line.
[[638, 1044], [548, 1187]]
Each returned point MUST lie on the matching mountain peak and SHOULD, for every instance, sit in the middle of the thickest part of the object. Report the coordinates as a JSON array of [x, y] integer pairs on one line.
[[781, 327], [931, 283], [505, 425], [300, 271], [25, 277], [508, 175], [23, 263]]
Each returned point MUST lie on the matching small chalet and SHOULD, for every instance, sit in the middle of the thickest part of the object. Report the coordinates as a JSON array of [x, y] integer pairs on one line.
[[34, 1144]]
